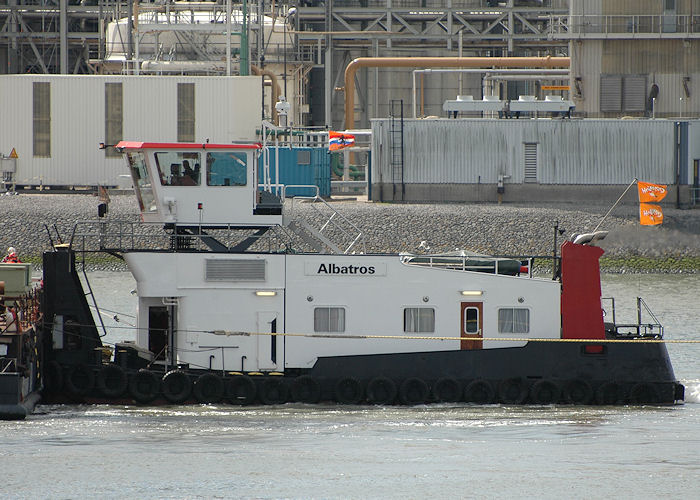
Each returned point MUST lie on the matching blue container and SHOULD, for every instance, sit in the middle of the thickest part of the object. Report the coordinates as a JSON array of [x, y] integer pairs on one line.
[[300, 166]]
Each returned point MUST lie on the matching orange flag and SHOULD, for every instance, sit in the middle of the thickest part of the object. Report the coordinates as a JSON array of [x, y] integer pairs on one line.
[[651, 192], [338, 140], [650, 214]]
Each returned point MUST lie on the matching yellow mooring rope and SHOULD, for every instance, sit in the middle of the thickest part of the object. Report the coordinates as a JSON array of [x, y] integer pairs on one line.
[[416, 337]]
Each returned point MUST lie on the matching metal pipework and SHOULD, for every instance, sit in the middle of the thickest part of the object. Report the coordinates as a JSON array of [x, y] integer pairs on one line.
[[438, 62], [274, 91]]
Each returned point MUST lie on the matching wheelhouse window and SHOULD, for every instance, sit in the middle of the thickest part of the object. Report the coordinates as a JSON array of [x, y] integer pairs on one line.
[[329, 319], [513, 320], [419, 319], [142, 182], [227, 169], [178, 168]]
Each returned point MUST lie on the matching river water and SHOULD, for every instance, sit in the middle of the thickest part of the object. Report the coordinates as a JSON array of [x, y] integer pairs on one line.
[[330, 451]]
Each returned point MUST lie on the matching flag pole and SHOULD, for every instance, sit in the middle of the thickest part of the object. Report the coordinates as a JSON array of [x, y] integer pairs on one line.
[[615, 204]]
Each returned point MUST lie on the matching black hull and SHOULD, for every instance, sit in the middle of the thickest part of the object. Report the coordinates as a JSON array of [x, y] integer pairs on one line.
[[15, 404], [539, 373], [626, 362]]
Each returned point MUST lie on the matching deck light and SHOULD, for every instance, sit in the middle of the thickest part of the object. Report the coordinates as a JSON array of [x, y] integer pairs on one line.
[[265, 293], [472, 293]]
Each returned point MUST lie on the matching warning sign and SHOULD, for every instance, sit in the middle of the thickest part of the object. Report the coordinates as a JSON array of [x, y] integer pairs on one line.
[[14, 154]]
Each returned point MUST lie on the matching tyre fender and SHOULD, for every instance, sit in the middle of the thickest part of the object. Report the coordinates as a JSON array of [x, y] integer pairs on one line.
[[240, 390], [447, 390], [208, 388], [413, 391], [143, 386], [112, 381], [480, 392], [80, 380], [513, 391], [348, 391], [306, 389], [578, 392], [176, 386], [545, 392], [273, 391], [381, 391]]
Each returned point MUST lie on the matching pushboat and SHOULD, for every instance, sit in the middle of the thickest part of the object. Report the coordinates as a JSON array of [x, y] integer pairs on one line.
[[243, 298], [20, 341]]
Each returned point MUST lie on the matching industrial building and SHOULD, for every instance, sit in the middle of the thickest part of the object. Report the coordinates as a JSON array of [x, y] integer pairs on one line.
[[525, 160], [55, 124], [624, 59]]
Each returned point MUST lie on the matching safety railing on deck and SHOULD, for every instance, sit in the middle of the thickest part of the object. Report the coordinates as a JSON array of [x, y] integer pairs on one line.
[[116, 236], [506, 265], [651, 329]]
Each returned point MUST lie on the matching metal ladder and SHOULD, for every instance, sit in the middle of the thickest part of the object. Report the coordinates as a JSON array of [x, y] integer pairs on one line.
[[396, 137]]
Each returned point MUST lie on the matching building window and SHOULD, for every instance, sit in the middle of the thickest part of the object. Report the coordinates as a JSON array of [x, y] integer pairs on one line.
[[329, 319], [419, 319], [41, 113], [185, 112], [227, 169], [178, 168], [114, 115], [513, 320]]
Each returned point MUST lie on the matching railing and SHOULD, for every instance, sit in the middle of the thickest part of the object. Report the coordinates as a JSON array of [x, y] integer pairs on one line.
[[26, 308], [119, 236], [652, 329], [505, 265], [629, 24], [335, 220]]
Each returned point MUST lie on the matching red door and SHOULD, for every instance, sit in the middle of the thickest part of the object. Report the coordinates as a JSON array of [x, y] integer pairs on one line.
[[471, 325]]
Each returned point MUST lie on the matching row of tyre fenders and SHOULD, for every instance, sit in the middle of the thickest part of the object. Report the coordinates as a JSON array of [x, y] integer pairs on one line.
[[112, 382]]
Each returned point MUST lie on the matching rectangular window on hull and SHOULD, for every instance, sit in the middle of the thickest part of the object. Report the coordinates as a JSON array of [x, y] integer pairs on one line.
[[419, 319], [513, 320], [329, 319], [41, 115], [113, 118]]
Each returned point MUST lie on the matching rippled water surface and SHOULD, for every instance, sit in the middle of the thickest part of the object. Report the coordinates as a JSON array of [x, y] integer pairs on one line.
[[329, 451]]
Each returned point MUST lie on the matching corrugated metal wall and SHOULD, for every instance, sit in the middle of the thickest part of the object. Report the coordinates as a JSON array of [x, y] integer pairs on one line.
[[300, 167], [593, 152], [673, 65], [227, 109]]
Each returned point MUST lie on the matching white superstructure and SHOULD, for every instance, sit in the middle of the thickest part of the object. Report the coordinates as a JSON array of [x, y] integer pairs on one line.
[[237, 307]]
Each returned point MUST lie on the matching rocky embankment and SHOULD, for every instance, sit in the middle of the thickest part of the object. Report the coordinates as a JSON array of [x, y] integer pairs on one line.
[[506, 229]]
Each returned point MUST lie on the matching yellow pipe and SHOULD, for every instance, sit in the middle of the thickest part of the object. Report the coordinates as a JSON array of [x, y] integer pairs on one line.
[[438, 62], [275, 88]]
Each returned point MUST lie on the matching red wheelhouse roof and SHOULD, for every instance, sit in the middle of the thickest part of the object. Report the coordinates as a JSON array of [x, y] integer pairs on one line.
[[183, 145]]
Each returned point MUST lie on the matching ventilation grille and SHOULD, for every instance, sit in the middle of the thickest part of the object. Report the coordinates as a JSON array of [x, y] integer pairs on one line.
[[530, 162], [634, 97], [234, 270], [610, 93]]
